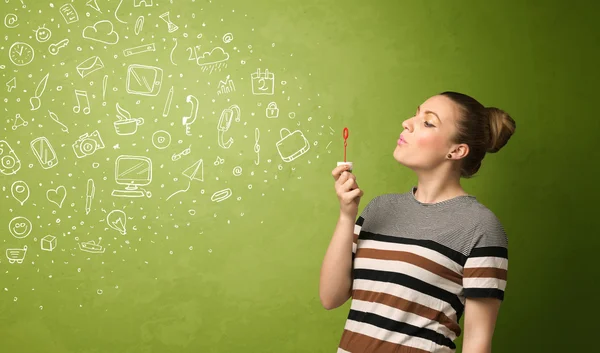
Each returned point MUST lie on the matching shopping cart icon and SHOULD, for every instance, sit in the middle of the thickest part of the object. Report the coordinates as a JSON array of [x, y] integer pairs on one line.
[[16, 255]]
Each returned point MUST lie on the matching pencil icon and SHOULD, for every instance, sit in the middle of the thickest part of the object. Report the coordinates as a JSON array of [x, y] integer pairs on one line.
[[89, 195]]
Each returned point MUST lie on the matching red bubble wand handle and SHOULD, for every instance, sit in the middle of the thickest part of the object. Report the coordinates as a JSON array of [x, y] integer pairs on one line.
[[345, 141]]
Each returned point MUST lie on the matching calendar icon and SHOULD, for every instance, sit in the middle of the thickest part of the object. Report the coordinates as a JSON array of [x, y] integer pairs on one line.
[[263, 82]]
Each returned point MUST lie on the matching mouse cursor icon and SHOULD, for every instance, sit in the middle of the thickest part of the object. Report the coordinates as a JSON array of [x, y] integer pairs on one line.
[[11, 84]]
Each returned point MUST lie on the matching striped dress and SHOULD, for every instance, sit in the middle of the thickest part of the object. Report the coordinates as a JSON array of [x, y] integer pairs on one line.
[[414, 264]]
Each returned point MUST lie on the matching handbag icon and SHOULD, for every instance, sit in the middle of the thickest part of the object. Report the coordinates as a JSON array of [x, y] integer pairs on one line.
[[292, 144], [272, 110]]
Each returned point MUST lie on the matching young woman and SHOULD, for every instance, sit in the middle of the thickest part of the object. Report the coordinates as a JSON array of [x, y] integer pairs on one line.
[[414, 262]]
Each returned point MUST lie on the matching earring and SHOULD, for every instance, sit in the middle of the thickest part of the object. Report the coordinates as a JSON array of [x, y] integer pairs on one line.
[[449, 155]]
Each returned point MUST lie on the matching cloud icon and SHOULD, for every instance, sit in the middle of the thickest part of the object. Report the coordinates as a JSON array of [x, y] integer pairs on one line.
[[101, 31], [216, 55]]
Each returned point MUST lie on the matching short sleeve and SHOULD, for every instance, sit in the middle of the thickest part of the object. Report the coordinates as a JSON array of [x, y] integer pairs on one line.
[[485, 271], [359, 224]]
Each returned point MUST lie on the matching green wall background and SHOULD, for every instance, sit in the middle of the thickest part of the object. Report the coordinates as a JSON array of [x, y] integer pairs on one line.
[[242, 274]]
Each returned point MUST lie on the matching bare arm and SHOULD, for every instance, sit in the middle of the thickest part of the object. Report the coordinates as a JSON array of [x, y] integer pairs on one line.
[[480, 321], [335, 282], [336, 271]]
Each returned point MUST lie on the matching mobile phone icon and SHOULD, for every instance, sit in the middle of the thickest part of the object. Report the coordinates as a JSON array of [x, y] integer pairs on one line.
[[44, 152]]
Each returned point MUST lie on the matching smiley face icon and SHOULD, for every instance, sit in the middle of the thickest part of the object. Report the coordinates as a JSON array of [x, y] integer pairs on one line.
[[20, 227], [42, 34]]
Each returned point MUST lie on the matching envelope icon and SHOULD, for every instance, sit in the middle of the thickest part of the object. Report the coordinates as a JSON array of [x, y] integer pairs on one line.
[[89, 65]]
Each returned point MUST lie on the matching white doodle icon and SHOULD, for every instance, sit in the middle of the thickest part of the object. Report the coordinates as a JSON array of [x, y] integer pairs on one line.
[[133, 172], [214, 59], [92, 247], [185, 152], [9, 162], [226, 86], [43, 151], [219, 161], [35, 101], [227, 115], [117, 220], [57, 196], [168, 102], [19, 122], [20, 191], [144, 80], [10, 85], [16, 255], [171, 27], [126, 125], [139, 49], [263, 83], [193, 172], [292, 145], [21, 53], [221, 195], [10, 20], [89, 65], [87, 144], [54, 117], [68, 13], [227, 38], [93, 4], [138, 3], [161, 139], [48, 243], [55, 47], [189, 120], [101, 31], [82, 95], [20, 227], [139, 25], [272, 110], [257, 145], [42, 34], [90, 192]]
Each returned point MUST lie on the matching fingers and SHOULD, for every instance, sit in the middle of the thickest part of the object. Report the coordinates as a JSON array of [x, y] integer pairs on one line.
[[350, 196], [337, 171]]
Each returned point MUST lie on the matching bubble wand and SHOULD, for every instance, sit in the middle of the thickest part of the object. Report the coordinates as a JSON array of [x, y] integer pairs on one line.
[[345, 134]]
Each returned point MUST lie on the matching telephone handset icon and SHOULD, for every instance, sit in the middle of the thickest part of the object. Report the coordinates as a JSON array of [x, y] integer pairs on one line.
[[189, 120]]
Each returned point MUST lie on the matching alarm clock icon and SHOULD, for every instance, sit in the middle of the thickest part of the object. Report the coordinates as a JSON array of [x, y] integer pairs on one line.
[[21, 53]]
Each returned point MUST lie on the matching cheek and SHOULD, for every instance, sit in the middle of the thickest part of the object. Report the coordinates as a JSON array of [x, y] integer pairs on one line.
[[430, 141]]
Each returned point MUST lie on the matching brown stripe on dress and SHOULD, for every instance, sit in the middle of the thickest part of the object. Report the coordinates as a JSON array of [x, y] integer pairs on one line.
[[485, 272], [357, 342], [414, 259], [408, 306], [355, 238]]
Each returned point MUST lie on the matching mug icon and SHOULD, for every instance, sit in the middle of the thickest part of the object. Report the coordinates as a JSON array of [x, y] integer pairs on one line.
[[128, 127]]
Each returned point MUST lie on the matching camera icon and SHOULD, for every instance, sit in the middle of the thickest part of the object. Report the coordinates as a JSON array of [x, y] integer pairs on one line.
[[87, 144]]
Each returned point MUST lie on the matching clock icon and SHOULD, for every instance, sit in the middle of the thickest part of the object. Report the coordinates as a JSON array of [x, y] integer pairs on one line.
[[21, 53]]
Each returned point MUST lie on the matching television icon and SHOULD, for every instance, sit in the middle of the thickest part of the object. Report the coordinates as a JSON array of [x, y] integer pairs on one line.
[[133, 172], [144, 80]]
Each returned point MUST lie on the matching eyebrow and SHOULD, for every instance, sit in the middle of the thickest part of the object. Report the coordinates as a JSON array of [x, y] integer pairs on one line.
[[430, 112]]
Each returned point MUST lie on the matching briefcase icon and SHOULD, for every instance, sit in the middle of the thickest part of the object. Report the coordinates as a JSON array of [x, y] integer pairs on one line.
[[89, 65], [292, 145]]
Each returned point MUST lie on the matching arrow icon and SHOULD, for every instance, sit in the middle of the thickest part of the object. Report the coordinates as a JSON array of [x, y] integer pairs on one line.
[[11, 84]]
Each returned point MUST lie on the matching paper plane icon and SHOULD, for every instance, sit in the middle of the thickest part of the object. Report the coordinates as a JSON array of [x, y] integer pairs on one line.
[[195, 171]]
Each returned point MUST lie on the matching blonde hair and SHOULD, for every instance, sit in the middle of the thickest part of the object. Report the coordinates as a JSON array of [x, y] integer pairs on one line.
[[484, 130]]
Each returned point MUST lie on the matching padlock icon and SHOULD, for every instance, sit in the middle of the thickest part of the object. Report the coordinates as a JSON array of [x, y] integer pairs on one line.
[[272, 110]]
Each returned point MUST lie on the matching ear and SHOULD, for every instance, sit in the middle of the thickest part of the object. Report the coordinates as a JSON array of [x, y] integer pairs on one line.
[[459, 151]]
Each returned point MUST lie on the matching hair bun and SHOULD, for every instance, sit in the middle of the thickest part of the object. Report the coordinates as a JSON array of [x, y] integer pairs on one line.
[[502, 127]]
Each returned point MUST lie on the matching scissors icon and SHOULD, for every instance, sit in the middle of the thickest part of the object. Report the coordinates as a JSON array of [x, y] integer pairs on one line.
[[225, 123]]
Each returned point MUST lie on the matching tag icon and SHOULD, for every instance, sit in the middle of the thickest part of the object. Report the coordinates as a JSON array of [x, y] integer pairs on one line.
[[272, 110]]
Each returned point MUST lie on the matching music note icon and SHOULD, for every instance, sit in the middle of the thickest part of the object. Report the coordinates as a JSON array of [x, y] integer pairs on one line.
[[86, 108]]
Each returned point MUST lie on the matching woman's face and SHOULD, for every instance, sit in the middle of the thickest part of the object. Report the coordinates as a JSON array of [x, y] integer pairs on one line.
[[427, 136]]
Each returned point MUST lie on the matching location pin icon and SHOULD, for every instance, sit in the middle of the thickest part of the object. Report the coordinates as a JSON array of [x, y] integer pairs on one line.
[[20, 191]]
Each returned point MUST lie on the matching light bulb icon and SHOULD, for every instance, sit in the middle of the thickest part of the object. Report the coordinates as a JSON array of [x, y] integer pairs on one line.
[[117, 219]]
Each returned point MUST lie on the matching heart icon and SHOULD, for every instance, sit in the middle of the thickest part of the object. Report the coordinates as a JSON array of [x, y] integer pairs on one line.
[[57, 196]]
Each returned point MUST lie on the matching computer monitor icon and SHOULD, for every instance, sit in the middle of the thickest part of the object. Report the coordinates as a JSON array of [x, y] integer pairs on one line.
[[133, 172]]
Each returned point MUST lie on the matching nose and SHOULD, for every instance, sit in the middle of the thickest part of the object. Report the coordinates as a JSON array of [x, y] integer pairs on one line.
[[406, 124]]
